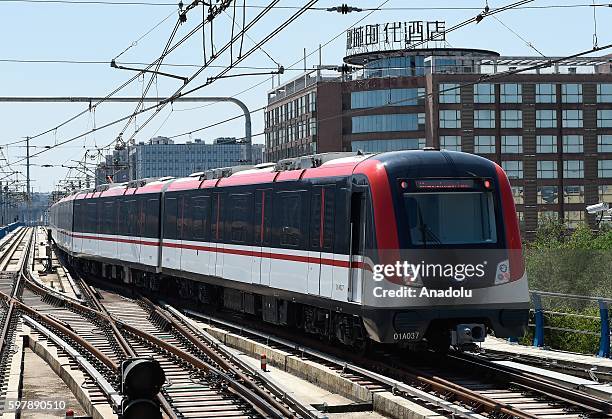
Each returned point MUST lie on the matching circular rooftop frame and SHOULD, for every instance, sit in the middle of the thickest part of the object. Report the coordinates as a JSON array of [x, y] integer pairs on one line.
[[366, 58]]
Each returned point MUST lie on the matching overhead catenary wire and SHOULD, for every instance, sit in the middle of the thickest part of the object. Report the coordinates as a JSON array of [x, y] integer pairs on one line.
[[482, 79], [321, 9], [121, 87], [256, 19]]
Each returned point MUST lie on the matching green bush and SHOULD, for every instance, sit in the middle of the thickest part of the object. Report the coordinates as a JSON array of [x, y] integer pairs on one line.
[[575, 262]]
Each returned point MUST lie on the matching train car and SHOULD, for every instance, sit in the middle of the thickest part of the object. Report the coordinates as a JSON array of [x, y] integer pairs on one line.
[[408, 248]]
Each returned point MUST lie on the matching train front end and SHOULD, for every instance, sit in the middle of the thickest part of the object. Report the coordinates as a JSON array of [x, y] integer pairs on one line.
[[448, 268]]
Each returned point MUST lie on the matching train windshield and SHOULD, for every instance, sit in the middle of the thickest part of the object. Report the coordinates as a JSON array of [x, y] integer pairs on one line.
[[450, 218]]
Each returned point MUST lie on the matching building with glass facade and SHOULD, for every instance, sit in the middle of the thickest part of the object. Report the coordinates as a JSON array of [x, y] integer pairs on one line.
[[550, 129], [162, 157]]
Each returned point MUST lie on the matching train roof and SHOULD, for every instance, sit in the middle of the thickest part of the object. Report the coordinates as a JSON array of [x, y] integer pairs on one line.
[[324, 165]]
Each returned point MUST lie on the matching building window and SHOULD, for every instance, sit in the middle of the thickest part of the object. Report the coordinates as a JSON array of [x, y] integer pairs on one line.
[[518, 195], [546, 144], [484, 93], [546, 118], [547, 216], [313, 101], [450, 142], [574, 218], [510, 93], [604, 143], [385, 123], [511, 144], [573, 194], [547, 169], [484, 118], [450, 119], [605, 193], [572, 118], [571, 93], [511, 119], [385, 97], [421, 120], [313, 126], [513, 169], [379, 146], [546, 93], [573, 169], [604, 93], [604, 118], [548, 195], [484, 144], [449, 93], [604, 168], [572, 144]]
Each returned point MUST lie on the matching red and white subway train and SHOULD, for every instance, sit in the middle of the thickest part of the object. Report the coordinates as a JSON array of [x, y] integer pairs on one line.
[[408, 247]]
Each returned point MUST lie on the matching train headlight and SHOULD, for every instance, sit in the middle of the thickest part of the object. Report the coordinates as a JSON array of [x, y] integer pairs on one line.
[[502, 273]]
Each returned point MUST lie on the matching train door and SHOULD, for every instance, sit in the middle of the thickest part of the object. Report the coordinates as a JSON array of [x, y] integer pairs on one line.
[[133, 230], [217, 233], [316, 232], [172, 252], [261, 262], [141, 212], [322, 260], [199, 259], [357, 245]]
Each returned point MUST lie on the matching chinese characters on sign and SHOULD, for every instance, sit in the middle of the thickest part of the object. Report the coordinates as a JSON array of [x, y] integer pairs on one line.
[[395, 35]]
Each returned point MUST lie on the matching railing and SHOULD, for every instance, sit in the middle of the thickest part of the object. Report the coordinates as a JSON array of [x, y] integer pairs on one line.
[[8, 228], [540, 318]]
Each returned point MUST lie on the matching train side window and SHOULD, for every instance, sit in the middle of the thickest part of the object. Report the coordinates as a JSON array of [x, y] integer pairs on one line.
[[241, 217], [322, 218], [216, 224], [132, 211], [92, 218], [109, 216], [122, 222], [152, 218], [100, 216], [170, 222], [263, 217], [141, 215], [200, 211], [184, 218], [77, 217], [290, 217]]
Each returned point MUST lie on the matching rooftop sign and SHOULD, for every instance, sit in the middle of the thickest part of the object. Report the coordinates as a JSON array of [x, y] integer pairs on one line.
[[393, 36]]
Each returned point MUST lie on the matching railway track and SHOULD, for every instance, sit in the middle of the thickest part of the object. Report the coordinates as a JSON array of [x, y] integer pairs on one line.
[[13, 255], [206, 381], [111, 328], [470, 387]]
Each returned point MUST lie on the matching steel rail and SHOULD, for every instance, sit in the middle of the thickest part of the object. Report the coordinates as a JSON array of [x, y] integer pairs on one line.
[[123, 343], [102, 382], [191, 334], [243, 391], [239, 388], [437, 383], [539, 384], [7, 256]]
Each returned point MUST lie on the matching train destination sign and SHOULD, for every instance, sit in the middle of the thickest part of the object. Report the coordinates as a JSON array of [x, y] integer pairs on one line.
[[393, 35]]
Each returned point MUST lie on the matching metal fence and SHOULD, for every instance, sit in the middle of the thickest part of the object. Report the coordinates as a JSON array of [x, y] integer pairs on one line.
[[583, 303]]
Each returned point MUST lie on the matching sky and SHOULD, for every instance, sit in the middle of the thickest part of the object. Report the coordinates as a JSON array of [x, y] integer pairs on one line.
[[42, 30]]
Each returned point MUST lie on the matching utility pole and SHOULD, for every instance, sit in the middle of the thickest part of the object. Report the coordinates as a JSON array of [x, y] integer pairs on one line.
[[29, 214]]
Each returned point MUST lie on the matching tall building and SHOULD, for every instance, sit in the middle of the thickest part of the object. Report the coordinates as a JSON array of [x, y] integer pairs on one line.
[[550, 129], [162, 157]]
